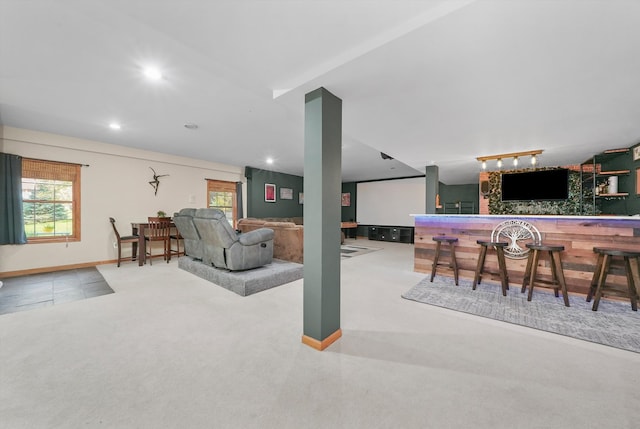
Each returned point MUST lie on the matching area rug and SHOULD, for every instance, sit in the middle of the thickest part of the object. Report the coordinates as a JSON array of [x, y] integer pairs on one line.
[[614, 324], [352, 250]]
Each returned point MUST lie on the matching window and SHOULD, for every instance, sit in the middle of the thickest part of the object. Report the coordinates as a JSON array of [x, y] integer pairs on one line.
[[222, 195], [51, 200]]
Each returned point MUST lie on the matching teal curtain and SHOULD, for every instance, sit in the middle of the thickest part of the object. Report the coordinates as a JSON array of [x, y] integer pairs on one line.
[[239, 200], [11, 220]]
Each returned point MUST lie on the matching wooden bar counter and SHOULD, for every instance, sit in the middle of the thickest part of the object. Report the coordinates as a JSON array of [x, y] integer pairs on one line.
[[578, 234]]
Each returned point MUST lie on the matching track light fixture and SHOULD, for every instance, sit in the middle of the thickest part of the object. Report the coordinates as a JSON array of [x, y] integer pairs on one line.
[[515, 155]]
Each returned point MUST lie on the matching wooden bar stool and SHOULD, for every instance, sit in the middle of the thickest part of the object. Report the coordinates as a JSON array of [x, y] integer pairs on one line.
[[453, 264], [598, 283], [557, 274], [502, 265]]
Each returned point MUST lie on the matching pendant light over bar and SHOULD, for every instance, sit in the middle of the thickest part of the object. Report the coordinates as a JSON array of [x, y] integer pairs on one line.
[[515, 155]]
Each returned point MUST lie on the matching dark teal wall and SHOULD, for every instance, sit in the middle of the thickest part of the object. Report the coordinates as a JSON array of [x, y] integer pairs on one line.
[[626, 183], [349, 213], [456, 193], [634, 193], [256, 205]]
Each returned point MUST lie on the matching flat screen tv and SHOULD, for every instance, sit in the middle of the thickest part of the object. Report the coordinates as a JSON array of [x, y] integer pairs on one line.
[[536, 185]]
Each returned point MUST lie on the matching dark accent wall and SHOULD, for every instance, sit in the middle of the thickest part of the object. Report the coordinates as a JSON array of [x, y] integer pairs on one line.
[[349, 213], [626, 183], [634, 194], [456, 193], [256, 205], [618, 206], [629, 205]]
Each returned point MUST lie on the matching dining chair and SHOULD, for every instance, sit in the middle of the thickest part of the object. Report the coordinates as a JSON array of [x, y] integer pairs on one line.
[[158, 230], [133, 239], [177, 237]]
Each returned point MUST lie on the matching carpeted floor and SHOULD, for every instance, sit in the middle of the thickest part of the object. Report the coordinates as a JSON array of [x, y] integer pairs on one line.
[[614, 324], [170, 350]]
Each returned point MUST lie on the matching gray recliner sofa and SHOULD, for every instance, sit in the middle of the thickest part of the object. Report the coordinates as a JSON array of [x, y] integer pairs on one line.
[[193, 245], [225, 248]]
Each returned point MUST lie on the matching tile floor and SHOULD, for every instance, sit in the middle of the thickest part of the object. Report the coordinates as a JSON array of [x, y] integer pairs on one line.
[[45, 289]]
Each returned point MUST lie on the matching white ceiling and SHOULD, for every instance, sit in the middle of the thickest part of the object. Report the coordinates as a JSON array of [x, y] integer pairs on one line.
[[427, 82]]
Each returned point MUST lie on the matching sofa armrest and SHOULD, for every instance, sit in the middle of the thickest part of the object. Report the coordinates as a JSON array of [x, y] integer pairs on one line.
[[256, 236]]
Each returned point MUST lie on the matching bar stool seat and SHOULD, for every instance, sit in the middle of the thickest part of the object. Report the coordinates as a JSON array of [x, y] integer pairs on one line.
[[557, 274], [453, 264], [502, 266], [598, 283]]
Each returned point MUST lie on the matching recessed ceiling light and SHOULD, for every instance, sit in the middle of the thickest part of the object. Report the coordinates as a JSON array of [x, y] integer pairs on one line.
[[115, 126], [191, 126], [269, 160], [152, 73]]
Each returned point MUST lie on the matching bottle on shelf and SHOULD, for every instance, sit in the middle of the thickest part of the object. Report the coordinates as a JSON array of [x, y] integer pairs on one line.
[[612, 185]]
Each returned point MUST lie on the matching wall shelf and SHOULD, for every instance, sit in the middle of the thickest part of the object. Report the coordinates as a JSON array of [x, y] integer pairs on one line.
[[613, 173], [618, 195], [593, 176]]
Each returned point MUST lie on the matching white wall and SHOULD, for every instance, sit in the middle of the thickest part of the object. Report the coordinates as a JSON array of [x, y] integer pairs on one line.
[[390, 202], [115, 184]]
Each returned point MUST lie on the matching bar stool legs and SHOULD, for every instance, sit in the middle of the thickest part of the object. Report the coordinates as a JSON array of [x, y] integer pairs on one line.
[[453, 263], [557, 274], [502, 266], [598, 282], [595, 280]]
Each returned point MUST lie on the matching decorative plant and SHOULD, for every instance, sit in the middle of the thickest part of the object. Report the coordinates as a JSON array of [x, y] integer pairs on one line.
[[161, 213]]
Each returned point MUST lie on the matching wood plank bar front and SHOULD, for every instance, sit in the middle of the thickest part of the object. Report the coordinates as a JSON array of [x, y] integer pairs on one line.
[[578, 234]]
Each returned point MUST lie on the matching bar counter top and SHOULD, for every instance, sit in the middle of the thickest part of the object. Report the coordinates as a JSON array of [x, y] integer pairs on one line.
[[522, 216], [578, 234]]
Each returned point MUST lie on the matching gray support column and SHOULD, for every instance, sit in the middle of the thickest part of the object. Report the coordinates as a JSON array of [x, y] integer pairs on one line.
[[433, 185], [322, 210]]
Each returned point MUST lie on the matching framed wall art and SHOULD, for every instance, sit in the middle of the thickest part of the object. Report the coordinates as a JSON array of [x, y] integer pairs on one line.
[[301, 197], [286, 193], [346, 199], [270, 193], [636, 153]]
